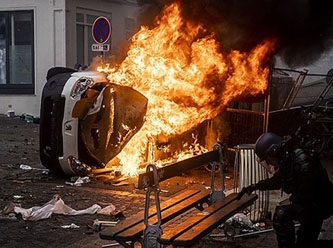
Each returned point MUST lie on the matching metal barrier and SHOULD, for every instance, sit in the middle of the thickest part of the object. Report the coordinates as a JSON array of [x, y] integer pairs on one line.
[[248, 171]]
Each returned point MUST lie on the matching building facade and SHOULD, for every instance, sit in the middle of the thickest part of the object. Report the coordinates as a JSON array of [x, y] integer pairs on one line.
[[36, 35]]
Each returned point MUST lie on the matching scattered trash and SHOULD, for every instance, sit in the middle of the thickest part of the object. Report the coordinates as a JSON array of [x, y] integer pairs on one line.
[[28, 167], [113, 244], [97, 225], [79, 181], [10, 113], [16, 197], [240, 225], [56, 206], [25, 167], [78, 167], [240, 220], [30, 118], [71, 226]]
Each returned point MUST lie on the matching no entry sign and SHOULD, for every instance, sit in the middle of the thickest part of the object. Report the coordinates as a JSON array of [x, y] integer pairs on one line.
[[101, 30]]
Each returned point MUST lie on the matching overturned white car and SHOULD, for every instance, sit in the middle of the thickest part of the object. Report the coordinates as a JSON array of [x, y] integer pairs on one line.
[[85, 120]]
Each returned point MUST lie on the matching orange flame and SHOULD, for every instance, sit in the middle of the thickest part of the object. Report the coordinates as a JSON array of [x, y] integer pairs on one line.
[[185, 79]]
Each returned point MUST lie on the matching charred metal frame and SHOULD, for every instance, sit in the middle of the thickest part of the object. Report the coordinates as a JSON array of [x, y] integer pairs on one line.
[[314, 122]]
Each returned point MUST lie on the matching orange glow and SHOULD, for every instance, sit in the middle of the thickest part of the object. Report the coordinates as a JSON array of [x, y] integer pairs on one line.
[[186, 81]]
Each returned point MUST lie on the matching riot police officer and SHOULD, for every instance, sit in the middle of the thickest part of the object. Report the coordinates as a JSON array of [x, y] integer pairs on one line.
[[299, 173]]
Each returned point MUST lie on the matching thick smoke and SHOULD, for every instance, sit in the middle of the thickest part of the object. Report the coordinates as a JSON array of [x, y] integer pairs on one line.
[[303, 28]]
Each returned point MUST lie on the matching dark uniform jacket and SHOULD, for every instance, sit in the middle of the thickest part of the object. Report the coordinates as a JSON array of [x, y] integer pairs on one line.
[[302, 175]]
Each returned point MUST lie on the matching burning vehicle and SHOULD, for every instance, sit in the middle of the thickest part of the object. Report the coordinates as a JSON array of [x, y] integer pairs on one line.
[[169, 83], [86, 120]]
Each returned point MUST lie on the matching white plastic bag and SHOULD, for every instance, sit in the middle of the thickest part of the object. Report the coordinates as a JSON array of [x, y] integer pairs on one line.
[[57, 206]]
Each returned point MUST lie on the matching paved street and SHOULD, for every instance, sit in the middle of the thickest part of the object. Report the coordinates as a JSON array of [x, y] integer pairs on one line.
[[19, 146]]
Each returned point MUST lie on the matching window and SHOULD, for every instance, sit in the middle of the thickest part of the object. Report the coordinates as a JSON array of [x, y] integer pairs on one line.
[[17, 52], [84, 21]]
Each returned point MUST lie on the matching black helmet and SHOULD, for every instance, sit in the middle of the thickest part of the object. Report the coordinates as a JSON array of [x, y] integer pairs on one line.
[[267, 145]]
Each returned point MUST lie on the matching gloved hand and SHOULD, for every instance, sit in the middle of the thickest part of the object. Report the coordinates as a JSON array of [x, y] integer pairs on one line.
[[246, 190]]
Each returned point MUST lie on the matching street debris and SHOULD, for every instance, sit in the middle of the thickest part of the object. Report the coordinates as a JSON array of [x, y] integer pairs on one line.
[[28, 167], [11, 113], [79, 168], [16, 197], [71, 226], [240, 225], [29, 118], [78, 181], [56, 206], [97, 225], [240, 220], [113, 244]]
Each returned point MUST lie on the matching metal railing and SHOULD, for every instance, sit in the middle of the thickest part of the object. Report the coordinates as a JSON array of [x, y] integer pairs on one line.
[[248, 171]]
